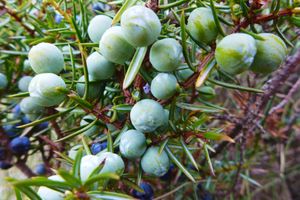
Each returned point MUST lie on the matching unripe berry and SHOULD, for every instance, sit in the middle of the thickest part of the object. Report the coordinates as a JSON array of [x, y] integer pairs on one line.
[[99, 68], [270, 53], [201, 25], [147, 194], [87, 120], [183, 73], [19, 145], [46, 58], [49, 194], [114, 47], [43, 87], [26, 66], [132, 144], [206, 92], [154, 163], [165, 55], [113, 163], [74, 150], [141, 26], [23, 83], [3, 81], [147, 115], [95, 88], [235, 53], [163, 86], [29, 105], [97, 26]]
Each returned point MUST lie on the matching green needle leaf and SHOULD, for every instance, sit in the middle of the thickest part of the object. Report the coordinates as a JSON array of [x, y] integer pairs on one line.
[[188, 153], [134, 66], [178, 164], [126, 5]]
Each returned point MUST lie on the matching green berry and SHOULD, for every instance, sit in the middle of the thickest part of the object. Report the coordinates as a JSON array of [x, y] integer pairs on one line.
[[74, 150], [87, 120], [163, 86], [113, 163], [97, 26], [3, 81], [99, 68], [235, 53], [201, 25], [165, 55], [132, 144], [206, 92], [147, 115], [155, 163], [49, 194], [270, 53], [114, 46], [183, 73], [95, 88], [23, 83], [26, 66], [29, 105], [43, 87], [141, 26], [46, 58]]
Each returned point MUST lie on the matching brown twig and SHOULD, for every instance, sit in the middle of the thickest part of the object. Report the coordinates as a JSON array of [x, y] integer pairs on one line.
[[249, 122], [21, 165], [16, 17], [153, 5], [287, 98]]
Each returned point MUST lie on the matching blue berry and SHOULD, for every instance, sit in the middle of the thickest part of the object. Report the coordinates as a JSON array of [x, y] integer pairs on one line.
[[42, 126], [146, 88], [58, 18], [5, 165], [97, 147], [168, 175], [147, 194], [25, 120], [100, 7], [20, 145], [10, 130], [16, 111], [2, 153], [40, 169], [203, 194]]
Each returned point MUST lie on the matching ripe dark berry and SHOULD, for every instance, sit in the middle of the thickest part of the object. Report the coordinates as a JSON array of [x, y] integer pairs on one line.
[[100, 7], [20, 145], [58, 18], [5, 165], [42, 126], [25, 120], [10, 130], [168, 175], [2, 153], [147, 194], [97, 147], [40, 169], [16, 111]]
